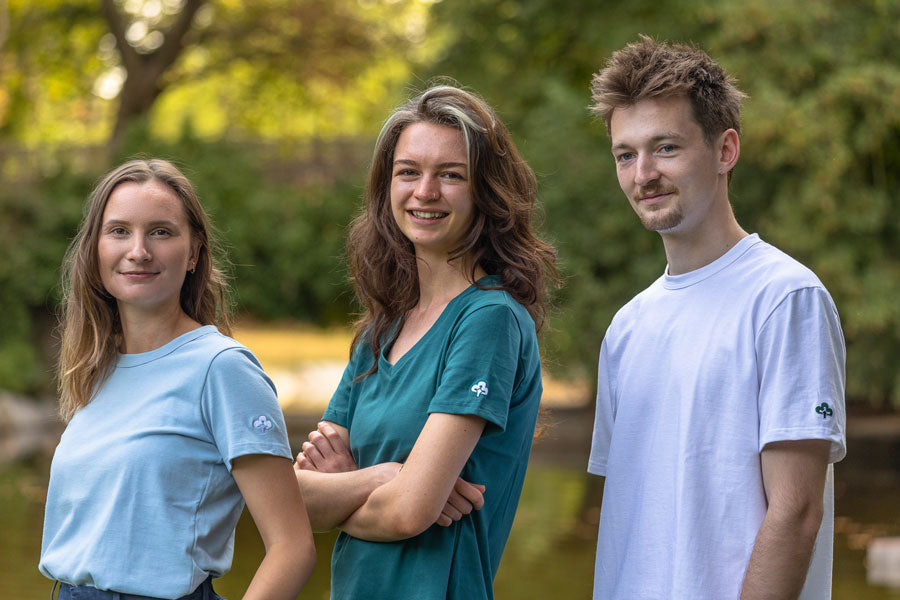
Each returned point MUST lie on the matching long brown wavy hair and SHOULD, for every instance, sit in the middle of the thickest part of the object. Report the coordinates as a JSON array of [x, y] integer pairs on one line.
[[501, 238], [90, 324]]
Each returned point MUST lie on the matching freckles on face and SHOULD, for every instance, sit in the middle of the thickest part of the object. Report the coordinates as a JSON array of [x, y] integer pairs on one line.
[[430, 192]]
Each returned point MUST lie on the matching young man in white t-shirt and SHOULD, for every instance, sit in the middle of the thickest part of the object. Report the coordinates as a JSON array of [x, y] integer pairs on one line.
[[720, 403]]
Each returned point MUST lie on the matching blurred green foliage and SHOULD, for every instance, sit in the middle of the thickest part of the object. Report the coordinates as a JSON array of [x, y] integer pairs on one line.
[[817, 175]]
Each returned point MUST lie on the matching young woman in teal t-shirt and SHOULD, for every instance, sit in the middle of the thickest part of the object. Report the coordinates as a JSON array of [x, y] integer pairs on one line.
[[421, 455]]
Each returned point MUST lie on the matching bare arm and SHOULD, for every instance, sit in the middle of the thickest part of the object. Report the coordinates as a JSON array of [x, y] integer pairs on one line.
[[794, 480], [275, 504], [415, 499], [332, 486]]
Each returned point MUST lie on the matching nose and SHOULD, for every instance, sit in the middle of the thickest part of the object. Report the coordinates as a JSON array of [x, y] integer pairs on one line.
[[428, 188], [645, 169], [138, 251]]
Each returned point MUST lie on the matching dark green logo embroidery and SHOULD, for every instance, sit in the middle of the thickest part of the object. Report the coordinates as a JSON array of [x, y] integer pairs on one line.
[[824, 410]]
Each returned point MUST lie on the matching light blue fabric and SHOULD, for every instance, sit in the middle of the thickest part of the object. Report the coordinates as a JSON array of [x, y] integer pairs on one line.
[[480, 357], [141, 498]]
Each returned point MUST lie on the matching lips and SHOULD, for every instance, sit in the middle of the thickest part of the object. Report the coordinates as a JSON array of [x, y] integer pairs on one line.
[[428, 215], [139, 274], [654, 197]]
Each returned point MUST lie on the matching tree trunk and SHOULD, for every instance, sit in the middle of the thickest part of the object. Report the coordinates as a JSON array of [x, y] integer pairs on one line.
[[144, 72]]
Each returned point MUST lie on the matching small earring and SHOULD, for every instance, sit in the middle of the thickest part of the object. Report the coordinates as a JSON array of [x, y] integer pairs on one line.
[[193, 268]]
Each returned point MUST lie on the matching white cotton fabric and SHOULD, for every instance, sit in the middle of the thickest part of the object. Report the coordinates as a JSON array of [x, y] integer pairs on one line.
[[697, 374]]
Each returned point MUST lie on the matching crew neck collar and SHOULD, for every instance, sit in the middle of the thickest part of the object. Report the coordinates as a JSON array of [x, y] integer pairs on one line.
[[674, 282], [134, 360]]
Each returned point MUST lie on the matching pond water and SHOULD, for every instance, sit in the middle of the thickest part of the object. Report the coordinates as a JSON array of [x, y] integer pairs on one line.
[[551, 548]]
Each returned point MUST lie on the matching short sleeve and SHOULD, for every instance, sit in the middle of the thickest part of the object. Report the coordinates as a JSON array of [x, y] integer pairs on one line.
[[801, 370], [480, 369], [604, 415], [241, 409], [338, 410], [339, 405]]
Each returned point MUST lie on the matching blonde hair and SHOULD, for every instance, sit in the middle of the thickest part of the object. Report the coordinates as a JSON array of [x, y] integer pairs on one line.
[[90, 325]]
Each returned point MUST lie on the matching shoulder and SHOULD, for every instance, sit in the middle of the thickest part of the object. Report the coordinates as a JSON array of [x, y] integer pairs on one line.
[[776, 280], [629, 315], [770, 267], [221, 353], [496, 305]]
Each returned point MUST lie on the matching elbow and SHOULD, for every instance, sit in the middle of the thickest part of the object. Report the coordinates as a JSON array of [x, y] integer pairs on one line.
[[408, 522], [802, 518]]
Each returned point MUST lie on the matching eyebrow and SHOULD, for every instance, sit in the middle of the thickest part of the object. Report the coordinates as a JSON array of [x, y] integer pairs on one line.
[[668, 135], [443, 165], [150, 225]]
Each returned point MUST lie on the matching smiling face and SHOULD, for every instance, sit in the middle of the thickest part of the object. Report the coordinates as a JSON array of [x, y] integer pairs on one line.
[[672, 177], [145, 246], [431, 195]]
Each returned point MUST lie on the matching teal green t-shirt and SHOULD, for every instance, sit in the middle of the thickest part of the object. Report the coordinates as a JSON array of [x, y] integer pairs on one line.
[[480, 358]]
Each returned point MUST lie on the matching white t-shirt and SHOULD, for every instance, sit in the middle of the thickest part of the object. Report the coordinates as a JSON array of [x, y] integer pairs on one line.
[[697, 374]]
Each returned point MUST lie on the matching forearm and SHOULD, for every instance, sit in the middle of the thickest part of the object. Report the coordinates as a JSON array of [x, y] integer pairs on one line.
[[332, 497], [283, 572], [781, 556], [384, 517]]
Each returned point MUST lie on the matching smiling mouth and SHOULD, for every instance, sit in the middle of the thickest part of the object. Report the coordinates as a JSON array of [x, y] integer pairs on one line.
[[425, 214]]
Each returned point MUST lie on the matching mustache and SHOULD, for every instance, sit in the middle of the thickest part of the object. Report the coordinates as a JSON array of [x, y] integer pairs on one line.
[[654, 188]]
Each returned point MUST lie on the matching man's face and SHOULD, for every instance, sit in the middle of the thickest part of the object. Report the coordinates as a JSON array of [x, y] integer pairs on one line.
[[668, 172]]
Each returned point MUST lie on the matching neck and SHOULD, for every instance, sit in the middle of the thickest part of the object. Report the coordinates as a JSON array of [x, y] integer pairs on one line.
[[698, 246], [143, 331], [441, 280]]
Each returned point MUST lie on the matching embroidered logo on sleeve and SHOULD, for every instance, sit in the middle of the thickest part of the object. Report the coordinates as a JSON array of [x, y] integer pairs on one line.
[[824, 410], [480, 389], [263, 424]]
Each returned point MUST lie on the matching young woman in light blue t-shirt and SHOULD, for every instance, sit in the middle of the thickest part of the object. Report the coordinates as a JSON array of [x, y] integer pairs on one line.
[[421, 455], [172, 425]]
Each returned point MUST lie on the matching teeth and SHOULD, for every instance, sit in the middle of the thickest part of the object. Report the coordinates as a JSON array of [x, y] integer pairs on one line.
[[421, 214]]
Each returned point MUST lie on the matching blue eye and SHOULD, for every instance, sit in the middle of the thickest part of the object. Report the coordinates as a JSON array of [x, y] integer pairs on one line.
[[624, 156], [668, 148]]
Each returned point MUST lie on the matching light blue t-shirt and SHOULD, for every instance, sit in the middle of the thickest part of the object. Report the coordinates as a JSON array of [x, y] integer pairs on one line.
[[480, 358], [141, 498]]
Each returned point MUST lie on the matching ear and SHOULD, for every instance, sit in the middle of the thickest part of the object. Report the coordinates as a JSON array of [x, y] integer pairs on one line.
[[195, 251], [729, 148]]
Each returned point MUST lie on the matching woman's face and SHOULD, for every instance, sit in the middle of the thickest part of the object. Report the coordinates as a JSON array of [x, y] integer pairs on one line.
[[431, 194], [145, 246]]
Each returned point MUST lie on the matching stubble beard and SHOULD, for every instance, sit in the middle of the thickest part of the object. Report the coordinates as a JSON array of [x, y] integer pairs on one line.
[[660, 218]]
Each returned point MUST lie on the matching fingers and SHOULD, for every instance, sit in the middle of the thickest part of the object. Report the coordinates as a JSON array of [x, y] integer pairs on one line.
[[335, 440], [332, 448], [303, 463], [472, 493]]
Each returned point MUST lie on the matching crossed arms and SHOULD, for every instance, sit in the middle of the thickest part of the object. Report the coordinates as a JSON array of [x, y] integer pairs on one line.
[[390, 501]]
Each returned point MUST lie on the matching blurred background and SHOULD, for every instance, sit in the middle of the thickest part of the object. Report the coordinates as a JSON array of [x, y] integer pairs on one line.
[[271, 108]]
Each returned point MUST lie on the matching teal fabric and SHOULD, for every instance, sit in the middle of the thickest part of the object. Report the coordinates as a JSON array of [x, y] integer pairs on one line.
[[481, 358]]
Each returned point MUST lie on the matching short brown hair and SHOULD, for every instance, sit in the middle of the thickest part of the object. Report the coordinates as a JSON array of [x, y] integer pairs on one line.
[[650, 69]]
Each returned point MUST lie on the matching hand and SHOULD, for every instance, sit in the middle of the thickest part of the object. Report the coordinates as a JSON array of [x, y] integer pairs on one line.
[[464, 498], [325, 451]]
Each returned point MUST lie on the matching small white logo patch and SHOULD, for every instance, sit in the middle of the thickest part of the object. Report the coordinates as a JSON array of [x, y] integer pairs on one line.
[[263, 424], [480, 388]]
